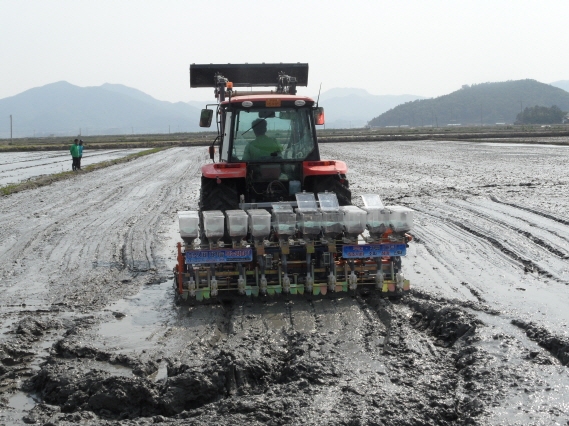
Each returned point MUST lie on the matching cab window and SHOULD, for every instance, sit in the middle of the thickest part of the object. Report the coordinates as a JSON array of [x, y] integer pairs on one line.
[[272, 134]]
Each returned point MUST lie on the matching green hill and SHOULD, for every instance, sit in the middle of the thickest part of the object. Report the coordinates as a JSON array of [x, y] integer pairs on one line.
[[486, 103]]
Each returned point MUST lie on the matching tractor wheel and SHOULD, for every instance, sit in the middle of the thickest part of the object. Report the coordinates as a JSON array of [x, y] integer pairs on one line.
[[219, 196], [331, 183]]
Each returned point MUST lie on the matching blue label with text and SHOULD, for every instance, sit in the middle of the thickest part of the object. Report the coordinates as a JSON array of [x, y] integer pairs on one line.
[[373, 250], [219, 256]]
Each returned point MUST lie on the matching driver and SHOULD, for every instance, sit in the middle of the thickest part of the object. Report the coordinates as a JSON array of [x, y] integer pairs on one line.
[[262, 145]]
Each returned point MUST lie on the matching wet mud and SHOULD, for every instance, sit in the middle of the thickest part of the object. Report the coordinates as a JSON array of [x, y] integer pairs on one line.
[[90, 333]]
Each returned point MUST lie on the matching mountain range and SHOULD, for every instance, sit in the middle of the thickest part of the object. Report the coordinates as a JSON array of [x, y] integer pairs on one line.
[[486, 103], [352, 108], [562, 84], [64, 109], [349, 107]]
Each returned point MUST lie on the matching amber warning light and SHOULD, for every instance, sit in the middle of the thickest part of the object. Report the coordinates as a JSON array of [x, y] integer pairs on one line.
[[319, 116], [229, 85]]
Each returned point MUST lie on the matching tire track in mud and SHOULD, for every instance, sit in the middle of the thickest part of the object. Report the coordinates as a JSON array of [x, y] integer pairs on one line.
[[504, 236], [431, 373], [495, 274], [342, 353], [507, 251], [534, 211], [542, 314], [558, 244], [111, 204], [58, 244], [447, 258]]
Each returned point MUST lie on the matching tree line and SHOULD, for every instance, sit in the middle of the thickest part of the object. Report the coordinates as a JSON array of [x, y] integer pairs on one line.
[[541, 115]]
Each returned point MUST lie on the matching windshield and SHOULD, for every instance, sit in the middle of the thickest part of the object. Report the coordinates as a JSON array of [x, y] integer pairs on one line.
[[272, 134]]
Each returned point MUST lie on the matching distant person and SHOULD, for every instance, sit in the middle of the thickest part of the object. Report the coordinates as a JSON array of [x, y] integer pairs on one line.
[[75, 155], [262, 145], [80, 153]]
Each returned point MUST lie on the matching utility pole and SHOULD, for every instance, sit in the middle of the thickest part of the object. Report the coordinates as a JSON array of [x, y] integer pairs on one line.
[[10, 128], [521, 112]]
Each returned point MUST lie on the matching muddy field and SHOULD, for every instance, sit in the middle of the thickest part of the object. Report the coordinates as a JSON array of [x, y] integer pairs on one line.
[[16, 167], [90, 334]]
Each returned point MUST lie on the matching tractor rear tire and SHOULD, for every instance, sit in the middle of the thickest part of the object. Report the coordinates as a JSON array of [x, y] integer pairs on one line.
[[219, 196], [331, 183]]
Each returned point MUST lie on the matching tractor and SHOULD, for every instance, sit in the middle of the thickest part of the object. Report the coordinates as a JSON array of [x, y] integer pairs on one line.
[[274, 217]]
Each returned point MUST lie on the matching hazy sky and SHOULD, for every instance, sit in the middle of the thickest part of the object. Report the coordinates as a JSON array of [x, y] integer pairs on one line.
[[427, 48]]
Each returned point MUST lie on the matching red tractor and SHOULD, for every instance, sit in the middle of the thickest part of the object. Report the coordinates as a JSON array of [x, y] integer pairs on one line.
[[267, 145], [259, 230]]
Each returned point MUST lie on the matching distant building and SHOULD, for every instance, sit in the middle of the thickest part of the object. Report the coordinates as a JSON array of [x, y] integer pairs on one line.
[[566, 119]]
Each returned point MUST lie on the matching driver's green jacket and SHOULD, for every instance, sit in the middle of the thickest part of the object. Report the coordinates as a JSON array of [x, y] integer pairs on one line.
[[262, 146]]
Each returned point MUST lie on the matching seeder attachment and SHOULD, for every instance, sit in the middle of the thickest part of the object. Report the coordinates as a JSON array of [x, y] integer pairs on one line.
[[305, 248]]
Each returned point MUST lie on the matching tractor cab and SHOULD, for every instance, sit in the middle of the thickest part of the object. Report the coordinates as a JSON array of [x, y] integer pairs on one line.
[[268, 135]]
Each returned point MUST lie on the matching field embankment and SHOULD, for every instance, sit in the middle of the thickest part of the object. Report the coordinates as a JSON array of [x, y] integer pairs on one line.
[[558, 135]]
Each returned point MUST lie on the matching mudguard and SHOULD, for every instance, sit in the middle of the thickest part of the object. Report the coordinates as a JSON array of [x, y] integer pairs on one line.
[[224, 170], [324, 167]]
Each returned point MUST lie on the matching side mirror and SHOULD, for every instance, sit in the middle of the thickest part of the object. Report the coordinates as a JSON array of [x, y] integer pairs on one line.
[[211, 152], [319, 115], [205, 117]]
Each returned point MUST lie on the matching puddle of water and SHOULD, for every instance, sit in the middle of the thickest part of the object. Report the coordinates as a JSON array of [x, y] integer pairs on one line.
[[545, 405], [5, 327], [161, 374], [142, 320], [35, 295], [21, 401], [17, 405], [145, 314], [540, 397], [501, 325], [167, 250]]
